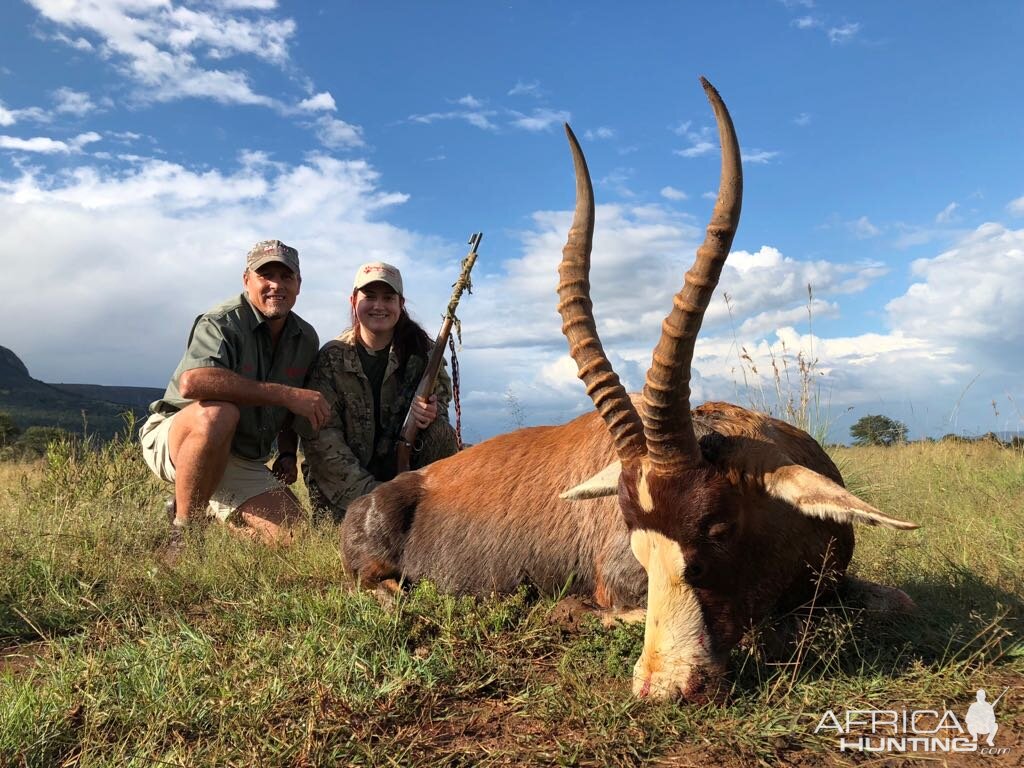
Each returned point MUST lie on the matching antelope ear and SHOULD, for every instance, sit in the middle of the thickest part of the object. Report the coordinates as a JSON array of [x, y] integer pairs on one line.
[[604, 483], [817, 496]]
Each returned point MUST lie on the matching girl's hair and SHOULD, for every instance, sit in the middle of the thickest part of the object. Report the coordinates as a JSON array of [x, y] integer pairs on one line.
[[409, 337]]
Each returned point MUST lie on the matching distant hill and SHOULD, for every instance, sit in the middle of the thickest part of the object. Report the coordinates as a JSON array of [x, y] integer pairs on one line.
[[31, 402], [139, 397]]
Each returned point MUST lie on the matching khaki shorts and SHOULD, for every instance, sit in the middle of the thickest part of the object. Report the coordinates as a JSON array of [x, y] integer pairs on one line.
[[243, 478]]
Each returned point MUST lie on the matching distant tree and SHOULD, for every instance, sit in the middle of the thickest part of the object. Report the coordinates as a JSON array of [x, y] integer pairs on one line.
[[878, 430], [8, 429], [34, 441]]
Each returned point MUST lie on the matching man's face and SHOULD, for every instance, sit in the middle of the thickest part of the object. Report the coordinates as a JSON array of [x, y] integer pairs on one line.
[[272, 289]]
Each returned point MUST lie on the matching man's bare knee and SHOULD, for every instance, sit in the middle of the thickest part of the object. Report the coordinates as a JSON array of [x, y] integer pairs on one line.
[[210, 422], [216, 419]]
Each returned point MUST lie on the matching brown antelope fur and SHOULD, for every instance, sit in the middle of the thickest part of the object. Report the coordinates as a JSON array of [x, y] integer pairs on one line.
[[489, 519], [713, 518]]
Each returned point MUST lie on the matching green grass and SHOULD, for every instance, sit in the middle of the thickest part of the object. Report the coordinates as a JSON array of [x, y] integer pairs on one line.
[[241, 655]]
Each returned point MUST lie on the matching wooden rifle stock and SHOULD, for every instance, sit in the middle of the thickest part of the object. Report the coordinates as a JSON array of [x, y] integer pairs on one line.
[[407, 436]]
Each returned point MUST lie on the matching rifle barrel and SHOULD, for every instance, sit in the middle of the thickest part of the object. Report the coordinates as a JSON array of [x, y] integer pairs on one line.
[[409, 429]]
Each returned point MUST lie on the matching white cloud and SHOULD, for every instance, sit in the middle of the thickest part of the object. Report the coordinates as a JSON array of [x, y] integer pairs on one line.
[[541, 119], [958, 328], [477, 118], [671, 193], [526, 89], [863, 229], [649, 246], [765, 281], [802, 119], [335, 133], [166, 49], [11, 116], [618, 180], [78, 43], [320, 102], [1016, 207], [806, 22], [223, 35], [154, 182], [947, 214], [35, 144], [769, 321], [186, 230], [970, 293], [599, 134], [240, 5], [72, 102], [758, 156], [912, 235], [560, 374], [82, 139], [475, 113], [701, 142], [47, 146], [844, 33], [125, 136]]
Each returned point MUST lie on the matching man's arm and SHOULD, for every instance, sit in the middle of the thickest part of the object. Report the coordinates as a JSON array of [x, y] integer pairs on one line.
[[213, 383]]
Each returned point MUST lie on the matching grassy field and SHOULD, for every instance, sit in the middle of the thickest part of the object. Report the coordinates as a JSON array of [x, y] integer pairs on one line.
[[238, 655]]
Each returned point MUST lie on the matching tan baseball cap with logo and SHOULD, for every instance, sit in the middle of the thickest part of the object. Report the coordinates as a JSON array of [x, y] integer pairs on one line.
[[266, 251], [378, 272]]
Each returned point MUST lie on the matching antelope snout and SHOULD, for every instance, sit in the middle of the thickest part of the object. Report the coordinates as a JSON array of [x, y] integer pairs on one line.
[[692, 684]]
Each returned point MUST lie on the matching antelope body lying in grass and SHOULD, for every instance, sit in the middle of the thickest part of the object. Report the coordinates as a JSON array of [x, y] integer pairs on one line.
[[712, 518]]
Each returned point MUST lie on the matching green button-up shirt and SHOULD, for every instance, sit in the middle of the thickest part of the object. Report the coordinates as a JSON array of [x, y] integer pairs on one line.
[[234, 335]]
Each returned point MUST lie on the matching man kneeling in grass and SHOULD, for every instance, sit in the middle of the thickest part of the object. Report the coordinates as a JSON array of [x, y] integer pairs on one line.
[[237, 389]]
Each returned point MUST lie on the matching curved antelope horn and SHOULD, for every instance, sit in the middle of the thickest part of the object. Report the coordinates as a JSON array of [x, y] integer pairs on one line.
[[668, 424], [577, 311]]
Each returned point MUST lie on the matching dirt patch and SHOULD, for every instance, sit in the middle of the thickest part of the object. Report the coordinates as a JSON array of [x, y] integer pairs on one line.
[[18, 659], [570, 614]]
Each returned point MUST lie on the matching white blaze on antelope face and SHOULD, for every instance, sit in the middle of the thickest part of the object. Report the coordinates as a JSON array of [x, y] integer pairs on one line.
[[676, 659]]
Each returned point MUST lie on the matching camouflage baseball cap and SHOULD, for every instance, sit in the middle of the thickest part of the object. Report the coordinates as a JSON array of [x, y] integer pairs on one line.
[[378, 272], [266, 251]]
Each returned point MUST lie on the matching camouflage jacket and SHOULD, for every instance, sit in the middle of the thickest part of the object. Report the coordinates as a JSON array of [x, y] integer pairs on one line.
[[337, 457]]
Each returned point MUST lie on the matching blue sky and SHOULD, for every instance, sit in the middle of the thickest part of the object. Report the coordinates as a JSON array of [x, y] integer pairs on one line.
[[146, 144]]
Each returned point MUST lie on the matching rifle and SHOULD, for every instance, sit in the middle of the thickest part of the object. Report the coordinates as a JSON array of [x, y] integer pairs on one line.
[[409, 431]]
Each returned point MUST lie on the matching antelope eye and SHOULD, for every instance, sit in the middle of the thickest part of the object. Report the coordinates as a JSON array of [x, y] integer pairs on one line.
[[720, 530]]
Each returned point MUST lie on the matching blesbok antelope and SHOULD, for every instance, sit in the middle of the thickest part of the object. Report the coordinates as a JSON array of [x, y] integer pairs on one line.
[[713, 518]]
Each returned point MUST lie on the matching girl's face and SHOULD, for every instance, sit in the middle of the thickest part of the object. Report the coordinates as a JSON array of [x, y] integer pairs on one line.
[[377, 308]]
